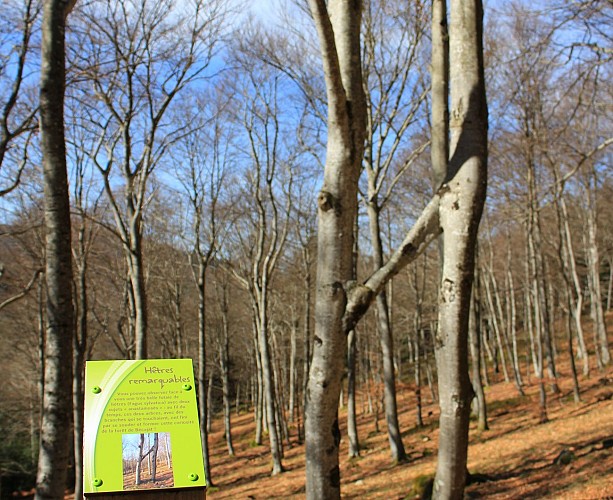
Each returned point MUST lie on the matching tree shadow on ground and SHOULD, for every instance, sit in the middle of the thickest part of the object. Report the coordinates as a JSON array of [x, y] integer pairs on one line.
[[584, 460]]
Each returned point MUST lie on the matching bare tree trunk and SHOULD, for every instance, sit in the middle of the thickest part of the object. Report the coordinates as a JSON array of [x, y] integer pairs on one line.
[[474, 328], [495, 323], [573, 292], [512, 314], [292, 372], [427, 345], [209, 402], [78, 381], [339, 36], [610, 288], [224, 360], [79, 356], [269, 388], [352, 426], [603, 354], [571, 354], [203, 407], [57, 402], [419, 421], [259, 392], [306, 258], [384, 329], [136, 275], [417, 344], [460, 213]]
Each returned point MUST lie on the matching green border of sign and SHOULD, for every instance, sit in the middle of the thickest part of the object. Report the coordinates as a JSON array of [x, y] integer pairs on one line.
[[131, 397]]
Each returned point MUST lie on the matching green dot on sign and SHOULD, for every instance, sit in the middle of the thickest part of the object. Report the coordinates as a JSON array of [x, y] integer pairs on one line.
[[187, 387], [97, 482], [193, 477], [96, 390]]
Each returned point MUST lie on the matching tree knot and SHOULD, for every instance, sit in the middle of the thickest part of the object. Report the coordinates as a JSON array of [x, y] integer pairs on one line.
[[359, 298], [325, 201]]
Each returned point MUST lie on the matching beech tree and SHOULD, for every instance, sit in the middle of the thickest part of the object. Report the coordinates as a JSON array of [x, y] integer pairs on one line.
[[454, 211], [269, 179], [394, 103], [204, 169], [57, 383], [137, 57]]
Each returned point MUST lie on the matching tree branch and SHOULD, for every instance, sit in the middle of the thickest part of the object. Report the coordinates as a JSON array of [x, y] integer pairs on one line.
[[360, 296]]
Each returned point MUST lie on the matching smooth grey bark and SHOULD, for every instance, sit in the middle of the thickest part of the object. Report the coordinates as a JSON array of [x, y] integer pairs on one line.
[[573, 292], [154, 456], [439, 75], [209, 401], [571, 354], [139, 460], [259, 392], [306, 236], [57, 382], [338, 27], [494, 319], [457, 204], [461, 208], [419, 421]]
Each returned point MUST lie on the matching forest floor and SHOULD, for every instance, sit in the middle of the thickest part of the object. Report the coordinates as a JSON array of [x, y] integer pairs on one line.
[[569, 457], [514, 459]]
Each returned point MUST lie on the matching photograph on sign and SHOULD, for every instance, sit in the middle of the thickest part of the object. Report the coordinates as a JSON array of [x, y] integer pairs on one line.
[[147, 461]]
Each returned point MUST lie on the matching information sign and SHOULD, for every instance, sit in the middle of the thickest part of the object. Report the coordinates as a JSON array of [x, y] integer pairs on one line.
[[141, 426]]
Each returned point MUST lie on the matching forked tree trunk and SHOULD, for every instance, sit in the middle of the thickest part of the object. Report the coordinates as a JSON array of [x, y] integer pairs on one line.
[[339, 35], [57, 389]]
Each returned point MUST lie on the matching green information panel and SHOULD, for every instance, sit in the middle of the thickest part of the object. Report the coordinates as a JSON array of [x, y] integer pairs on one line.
[[141, 426]]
